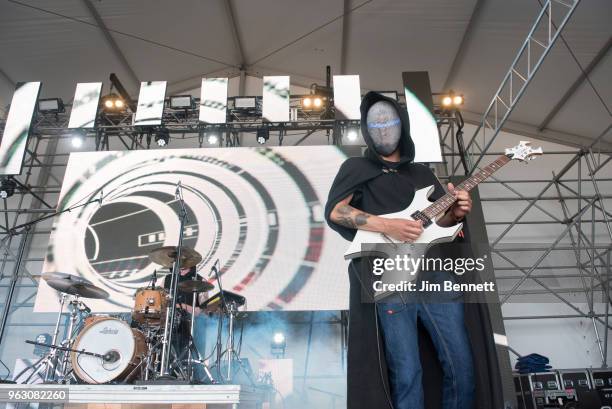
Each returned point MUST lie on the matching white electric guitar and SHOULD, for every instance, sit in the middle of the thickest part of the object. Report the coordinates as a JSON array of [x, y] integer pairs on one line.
[[426, 211]]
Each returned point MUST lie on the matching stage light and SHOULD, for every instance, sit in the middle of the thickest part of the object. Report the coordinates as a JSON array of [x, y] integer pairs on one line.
[[263, 134], [447, 101], [181, 102], [312, 103], [279, 338], [458, 100], [213, 139], [76, 141], [352, 134], [7, 188], [162, 137], [51, 106], [278, 345], [113, 103]]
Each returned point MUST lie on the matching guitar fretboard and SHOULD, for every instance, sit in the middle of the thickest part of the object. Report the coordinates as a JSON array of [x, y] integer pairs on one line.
[[442, 204]]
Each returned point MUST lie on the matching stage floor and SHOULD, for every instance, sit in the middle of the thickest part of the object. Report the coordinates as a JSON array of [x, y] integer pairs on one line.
[[161, 396]]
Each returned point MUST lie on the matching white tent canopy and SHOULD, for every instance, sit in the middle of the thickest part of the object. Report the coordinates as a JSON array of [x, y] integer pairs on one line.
[[465, 45]]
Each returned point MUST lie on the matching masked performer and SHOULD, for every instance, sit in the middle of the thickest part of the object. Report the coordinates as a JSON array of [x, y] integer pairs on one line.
[[390, 355]]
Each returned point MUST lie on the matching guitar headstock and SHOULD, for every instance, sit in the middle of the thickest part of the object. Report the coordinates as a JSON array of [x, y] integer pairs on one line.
[[523, 151]]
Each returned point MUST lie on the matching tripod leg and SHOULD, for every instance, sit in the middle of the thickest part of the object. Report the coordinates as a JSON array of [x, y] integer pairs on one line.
[[34, 365]]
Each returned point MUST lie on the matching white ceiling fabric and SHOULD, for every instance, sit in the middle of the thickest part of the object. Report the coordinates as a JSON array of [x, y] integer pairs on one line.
[[182, 41]]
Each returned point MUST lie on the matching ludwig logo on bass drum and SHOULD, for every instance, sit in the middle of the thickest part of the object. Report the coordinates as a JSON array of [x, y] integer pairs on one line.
[[107, 331]]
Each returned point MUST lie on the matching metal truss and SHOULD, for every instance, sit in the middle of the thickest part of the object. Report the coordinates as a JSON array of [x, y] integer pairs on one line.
[[535, 48], [585, 232]]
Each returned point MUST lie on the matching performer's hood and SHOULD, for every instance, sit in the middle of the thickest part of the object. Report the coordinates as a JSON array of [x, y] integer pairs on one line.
[[406, 145]]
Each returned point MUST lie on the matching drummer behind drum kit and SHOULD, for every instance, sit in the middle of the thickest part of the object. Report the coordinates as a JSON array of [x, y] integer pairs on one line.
[[100, 348]]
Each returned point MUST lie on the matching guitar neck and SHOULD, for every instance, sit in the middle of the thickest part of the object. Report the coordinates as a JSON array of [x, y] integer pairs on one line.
[[441, 205]]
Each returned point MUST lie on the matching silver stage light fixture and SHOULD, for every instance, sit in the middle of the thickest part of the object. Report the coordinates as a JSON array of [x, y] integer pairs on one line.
[[51, 106], [245, 103], [181, 102]]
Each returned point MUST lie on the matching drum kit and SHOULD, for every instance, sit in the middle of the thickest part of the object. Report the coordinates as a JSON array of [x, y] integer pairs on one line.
[[101, 348]]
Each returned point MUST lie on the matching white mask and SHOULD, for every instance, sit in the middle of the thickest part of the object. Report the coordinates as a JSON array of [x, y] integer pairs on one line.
[[384, 127]]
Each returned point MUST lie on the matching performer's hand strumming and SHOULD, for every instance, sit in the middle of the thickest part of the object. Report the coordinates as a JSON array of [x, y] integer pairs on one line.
[[403, 229]]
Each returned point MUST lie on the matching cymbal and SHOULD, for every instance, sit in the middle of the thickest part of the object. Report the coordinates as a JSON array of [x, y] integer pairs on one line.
[[165, 256], [55, 275], [190, 286], [82, 289]]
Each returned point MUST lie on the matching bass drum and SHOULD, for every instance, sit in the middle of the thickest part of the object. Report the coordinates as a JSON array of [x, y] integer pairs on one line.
[[123, 347]]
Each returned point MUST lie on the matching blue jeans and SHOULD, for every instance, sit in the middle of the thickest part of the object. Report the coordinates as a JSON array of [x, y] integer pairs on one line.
[[444, 322]]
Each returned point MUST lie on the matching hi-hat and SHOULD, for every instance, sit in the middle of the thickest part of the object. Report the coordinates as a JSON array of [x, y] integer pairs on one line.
[[165, 256], [190, 286], [56, 275], [81, 289]]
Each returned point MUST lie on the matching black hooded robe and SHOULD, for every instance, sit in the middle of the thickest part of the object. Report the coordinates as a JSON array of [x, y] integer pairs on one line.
[[381, 187]]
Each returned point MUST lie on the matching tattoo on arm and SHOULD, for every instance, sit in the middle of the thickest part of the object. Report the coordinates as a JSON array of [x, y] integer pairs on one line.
[[361, 219], [350, 217]]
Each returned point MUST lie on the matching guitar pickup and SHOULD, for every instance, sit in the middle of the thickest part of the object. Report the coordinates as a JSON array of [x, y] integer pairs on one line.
[[418, 215]]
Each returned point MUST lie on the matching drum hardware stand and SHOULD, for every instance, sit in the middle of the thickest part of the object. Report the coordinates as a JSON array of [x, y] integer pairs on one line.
[[191, 346], [75, 303], [231, 309], [164, 372], [224, 309], [232, 354], [191, 343], [51, 359], [52, 354]]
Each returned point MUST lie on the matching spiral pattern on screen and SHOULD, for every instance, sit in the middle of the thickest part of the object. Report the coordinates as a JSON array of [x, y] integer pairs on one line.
[[247, 216]]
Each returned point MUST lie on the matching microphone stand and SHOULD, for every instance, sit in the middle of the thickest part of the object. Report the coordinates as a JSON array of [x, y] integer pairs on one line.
[[24, 226], [171, 309]]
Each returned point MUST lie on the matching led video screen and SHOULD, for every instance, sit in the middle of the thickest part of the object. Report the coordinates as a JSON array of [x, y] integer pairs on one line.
[[213, 100], [347, 97], [258, 210], [275, 99], [85, 105], [17, 128], [150, 103], [423, 126]]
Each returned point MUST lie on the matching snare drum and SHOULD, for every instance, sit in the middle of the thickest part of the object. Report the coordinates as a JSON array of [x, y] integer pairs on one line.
[[150, 306], [123, 348]]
